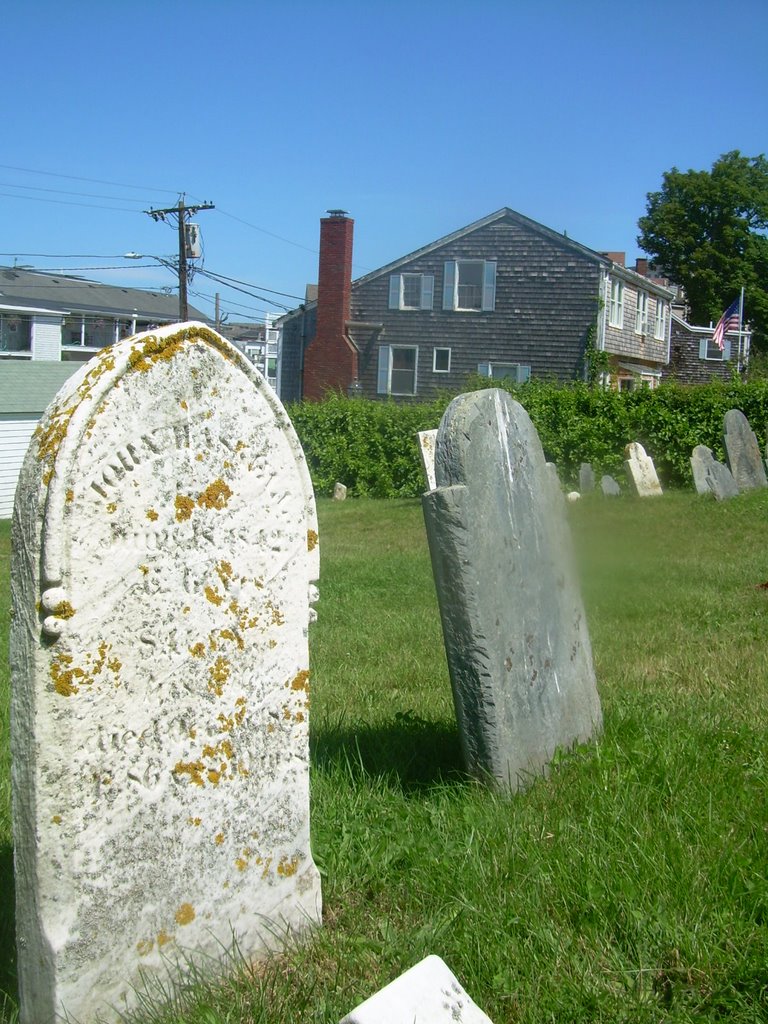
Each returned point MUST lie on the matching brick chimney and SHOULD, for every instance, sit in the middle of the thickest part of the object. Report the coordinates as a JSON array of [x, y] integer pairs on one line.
[[617, 257], [330, 361]]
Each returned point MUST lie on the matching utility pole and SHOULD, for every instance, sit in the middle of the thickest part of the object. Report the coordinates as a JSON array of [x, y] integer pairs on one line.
[[182, 213]]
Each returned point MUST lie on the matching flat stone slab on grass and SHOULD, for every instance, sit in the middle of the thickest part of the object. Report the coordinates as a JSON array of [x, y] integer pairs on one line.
[[428, 993], [164, 542], [743, 452], [711, 476], [513, 621], [641, 471]]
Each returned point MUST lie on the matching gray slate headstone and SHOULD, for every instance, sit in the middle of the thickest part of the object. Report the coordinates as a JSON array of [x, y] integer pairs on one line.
[[609, 486], [164, 544], [743, 452], [711, 476], [513, 621], [586, 478], [641, 471]]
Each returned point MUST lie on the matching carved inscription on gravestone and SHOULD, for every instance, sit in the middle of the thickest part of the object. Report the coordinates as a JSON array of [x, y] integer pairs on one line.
[[164, 543], [515, 632]]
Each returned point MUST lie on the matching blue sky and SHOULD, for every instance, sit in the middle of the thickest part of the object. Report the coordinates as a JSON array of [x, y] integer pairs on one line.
[[418, 118]]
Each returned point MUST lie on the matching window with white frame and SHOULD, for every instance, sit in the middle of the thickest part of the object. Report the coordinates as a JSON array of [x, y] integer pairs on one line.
[[398, 366], [469, 285], [709, 350], [441, 360], [616, 304], [641, 313], [660, 321], [518, 372], [411, 291]]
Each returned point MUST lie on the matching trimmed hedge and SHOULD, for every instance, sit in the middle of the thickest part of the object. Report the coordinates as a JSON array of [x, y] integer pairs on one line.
[[371, 446]]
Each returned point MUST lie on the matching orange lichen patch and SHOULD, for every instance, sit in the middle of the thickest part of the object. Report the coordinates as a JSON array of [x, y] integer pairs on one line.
[[213, 595], [153, 350], [70, 494], [186, 609], [199, 457], [152, 515], [183, 405], [224, 572], [163, 938], [185, 914], [144, 569], [214, 777], [114, 665], [228, 634], [218, 675], [194, 769], [311, 540], [112, 507], [185, 506], [299, 716], [56, 819], [276, 616], [219, 838], [286, 867], [215, 496], [194, 821], [64, 675], [241, 864], [63, 610], [145, 947], [198, 650], [300, 681], [192, 733], [267, 863]]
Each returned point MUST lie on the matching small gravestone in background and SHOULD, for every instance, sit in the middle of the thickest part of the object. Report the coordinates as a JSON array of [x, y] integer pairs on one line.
[[428, 993], [743, 452], [427, 439], [339, 492], [513, 621], [609, 487], [586, 478], [641, 471], [711, 476], [164, 541]]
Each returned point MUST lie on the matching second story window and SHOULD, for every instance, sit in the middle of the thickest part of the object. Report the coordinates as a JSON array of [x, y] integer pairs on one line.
[[641, 315], [660, 321], [411, 291], [469, 285], [616, 304]]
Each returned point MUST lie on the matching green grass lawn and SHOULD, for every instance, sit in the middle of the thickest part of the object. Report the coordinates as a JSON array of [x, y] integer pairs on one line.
[[630, 886]]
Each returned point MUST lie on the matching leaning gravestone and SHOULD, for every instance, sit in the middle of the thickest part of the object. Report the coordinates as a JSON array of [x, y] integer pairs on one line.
[[711, 476], [586, 478], [164, 543], [641, 471], [743, 452], [513, 622], [609, 486]]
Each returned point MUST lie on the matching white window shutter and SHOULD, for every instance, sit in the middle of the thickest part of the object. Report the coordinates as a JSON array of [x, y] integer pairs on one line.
[[484, 369], [489, 285], [703, 348], [394, 291], [427, 291], [449, 285], [382, 386], [726, 349]]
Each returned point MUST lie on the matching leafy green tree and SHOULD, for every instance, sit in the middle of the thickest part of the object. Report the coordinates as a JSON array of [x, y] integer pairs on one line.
[[708, 230]]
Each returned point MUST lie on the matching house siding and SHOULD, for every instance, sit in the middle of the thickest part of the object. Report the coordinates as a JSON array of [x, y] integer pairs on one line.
[[625, 341], [546, 303], [15, 435], [685, 364], [46, 338]]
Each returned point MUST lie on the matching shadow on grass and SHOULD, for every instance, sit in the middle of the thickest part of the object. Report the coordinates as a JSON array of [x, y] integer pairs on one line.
[[417, 753], [8, 982]]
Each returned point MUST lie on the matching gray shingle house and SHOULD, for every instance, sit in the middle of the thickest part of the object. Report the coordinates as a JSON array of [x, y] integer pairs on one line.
[[503, 297]]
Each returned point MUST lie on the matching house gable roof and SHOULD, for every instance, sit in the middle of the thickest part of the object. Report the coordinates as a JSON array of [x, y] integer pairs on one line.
[[33, 291]]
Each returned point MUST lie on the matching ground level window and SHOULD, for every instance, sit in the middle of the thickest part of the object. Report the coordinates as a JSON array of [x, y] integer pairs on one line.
[[398, 366], [517, 372], [441, 360]]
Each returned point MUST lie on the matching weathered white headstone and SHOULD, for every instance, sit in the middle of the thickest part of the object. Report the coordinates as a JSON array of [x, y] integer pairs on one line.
[[743, 452], [339, 492], [586, 478], [513, 621], [164, 543], [609, 486], [428, 993], [427, 439], [641, 471], [711, 476]]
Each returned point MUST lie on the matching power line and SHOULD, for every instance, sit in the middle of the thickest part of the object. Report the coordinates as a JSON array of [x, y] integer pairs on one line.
[[93, 181], [253, 295], [248, 284], [66, 202]]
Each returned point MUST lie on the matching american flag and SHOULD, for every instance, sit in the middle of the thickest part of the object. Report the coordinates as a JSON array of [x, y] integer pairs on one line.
[[729, 321]]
